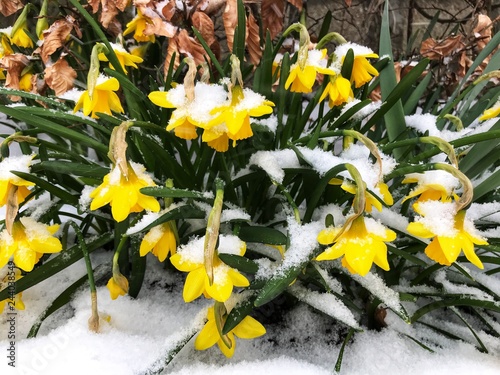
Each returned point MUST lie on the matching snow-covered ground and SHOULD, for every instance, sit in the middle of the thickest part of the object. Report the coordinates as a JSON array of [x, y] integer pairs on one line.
[[142, 331]]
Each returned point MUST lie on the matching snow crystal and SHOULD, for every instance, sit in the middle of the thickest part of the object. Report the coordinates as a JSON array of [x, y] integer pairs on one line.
[[273, 162], [85, 200], [37, 207], [464, 290], [439, 177], [325, 302], [193, 251], [364, 112], [19, 163], [74, 95], [438, 217], [234, 213], [358, 50], [271, 122], [391, 219], [322, 161], [230, 244], [484, 211]]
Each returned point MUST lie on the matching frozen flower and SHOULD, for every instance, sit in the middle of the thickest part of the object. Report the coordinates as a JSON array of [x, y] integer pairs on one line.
[[248, 328], [25, 82], [137, 26], [9, 180], [122, 192], [17, 302], [190, 258], [303, 73], [362, 70], [233, 121], [361, 245], [339, 91], [125, 58], [491, 112], [160, 240], [450, 231], [28, 241], [103, 99], [117, 286], [432, 185]]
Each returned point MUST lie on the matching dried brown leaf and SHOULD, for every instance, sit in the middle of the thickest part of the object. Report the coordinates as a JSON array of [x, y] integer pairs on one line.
[[171, 50], [298, 4], [190, 47], [56, 36], [437, 49], [230, 20], [160, 27], [253, 40], [60, 76], [272, 12], [9, 7], [211, 6], [94, 4], [482, 32], [204, 25], [167, 9], [14, 65]]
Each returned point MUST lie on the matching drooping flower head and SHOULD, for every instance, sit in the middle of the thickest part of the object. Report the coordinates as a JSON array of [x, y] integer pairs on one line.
[[103, 98], [450, 230], [360, 245], [5, 50], [339, 91], [160, 240], [117, 286], [491, 112], [125, 58], [232, 121], [190, 258], [16, 302], [8, 180], [20, 38], [138, 25], [248, 328], [27, 243], [380, 189], [362, 70], [122, 193]]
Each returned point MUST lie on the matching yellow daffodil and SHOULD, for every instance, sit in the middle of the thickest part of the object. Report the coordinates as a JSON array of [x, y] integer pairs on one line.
[[362, 70], [25, 82], [491, 112], [28, 241], [20, 38], [190, 112], [5, 50], [137, 26], [360, 245], [125, 58], [248, 328], [233, 121], [17, 302], [370, 200], [432, 185], [339, 91], [161, 240], [103, 99], [303, 74], [9, 180], [119, 288], [189, 258], [122, 192], [451, 233]]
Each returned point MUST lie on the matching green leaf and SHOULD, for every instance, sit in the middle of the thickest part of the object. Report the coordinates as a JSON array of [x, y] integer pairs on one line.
[[240, 263], [265, 235], [57, 264], [239, 33], [182, 212], [165, 192], [77, 169], [454, 302], [238, 313], [348, 64]]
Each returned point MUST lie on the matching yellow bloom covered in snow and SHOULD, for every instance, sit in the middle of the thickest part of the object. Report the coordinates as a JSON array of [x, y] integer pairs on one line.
[[303, 74], [28, 241], [160, 240], [362, 70], [17, 302], [491, 112], [432, 185], [9, 180], [190, 258], [360, 245], [248, 328], [450, 231], [122, 192], [137, 26], [119, 288], [233, 121], [103, 99], [125, 58]]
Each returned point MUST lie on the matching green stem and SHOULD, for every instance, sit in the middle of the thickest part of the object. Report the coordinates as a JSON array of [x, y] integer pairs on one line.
[[289, 198]]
